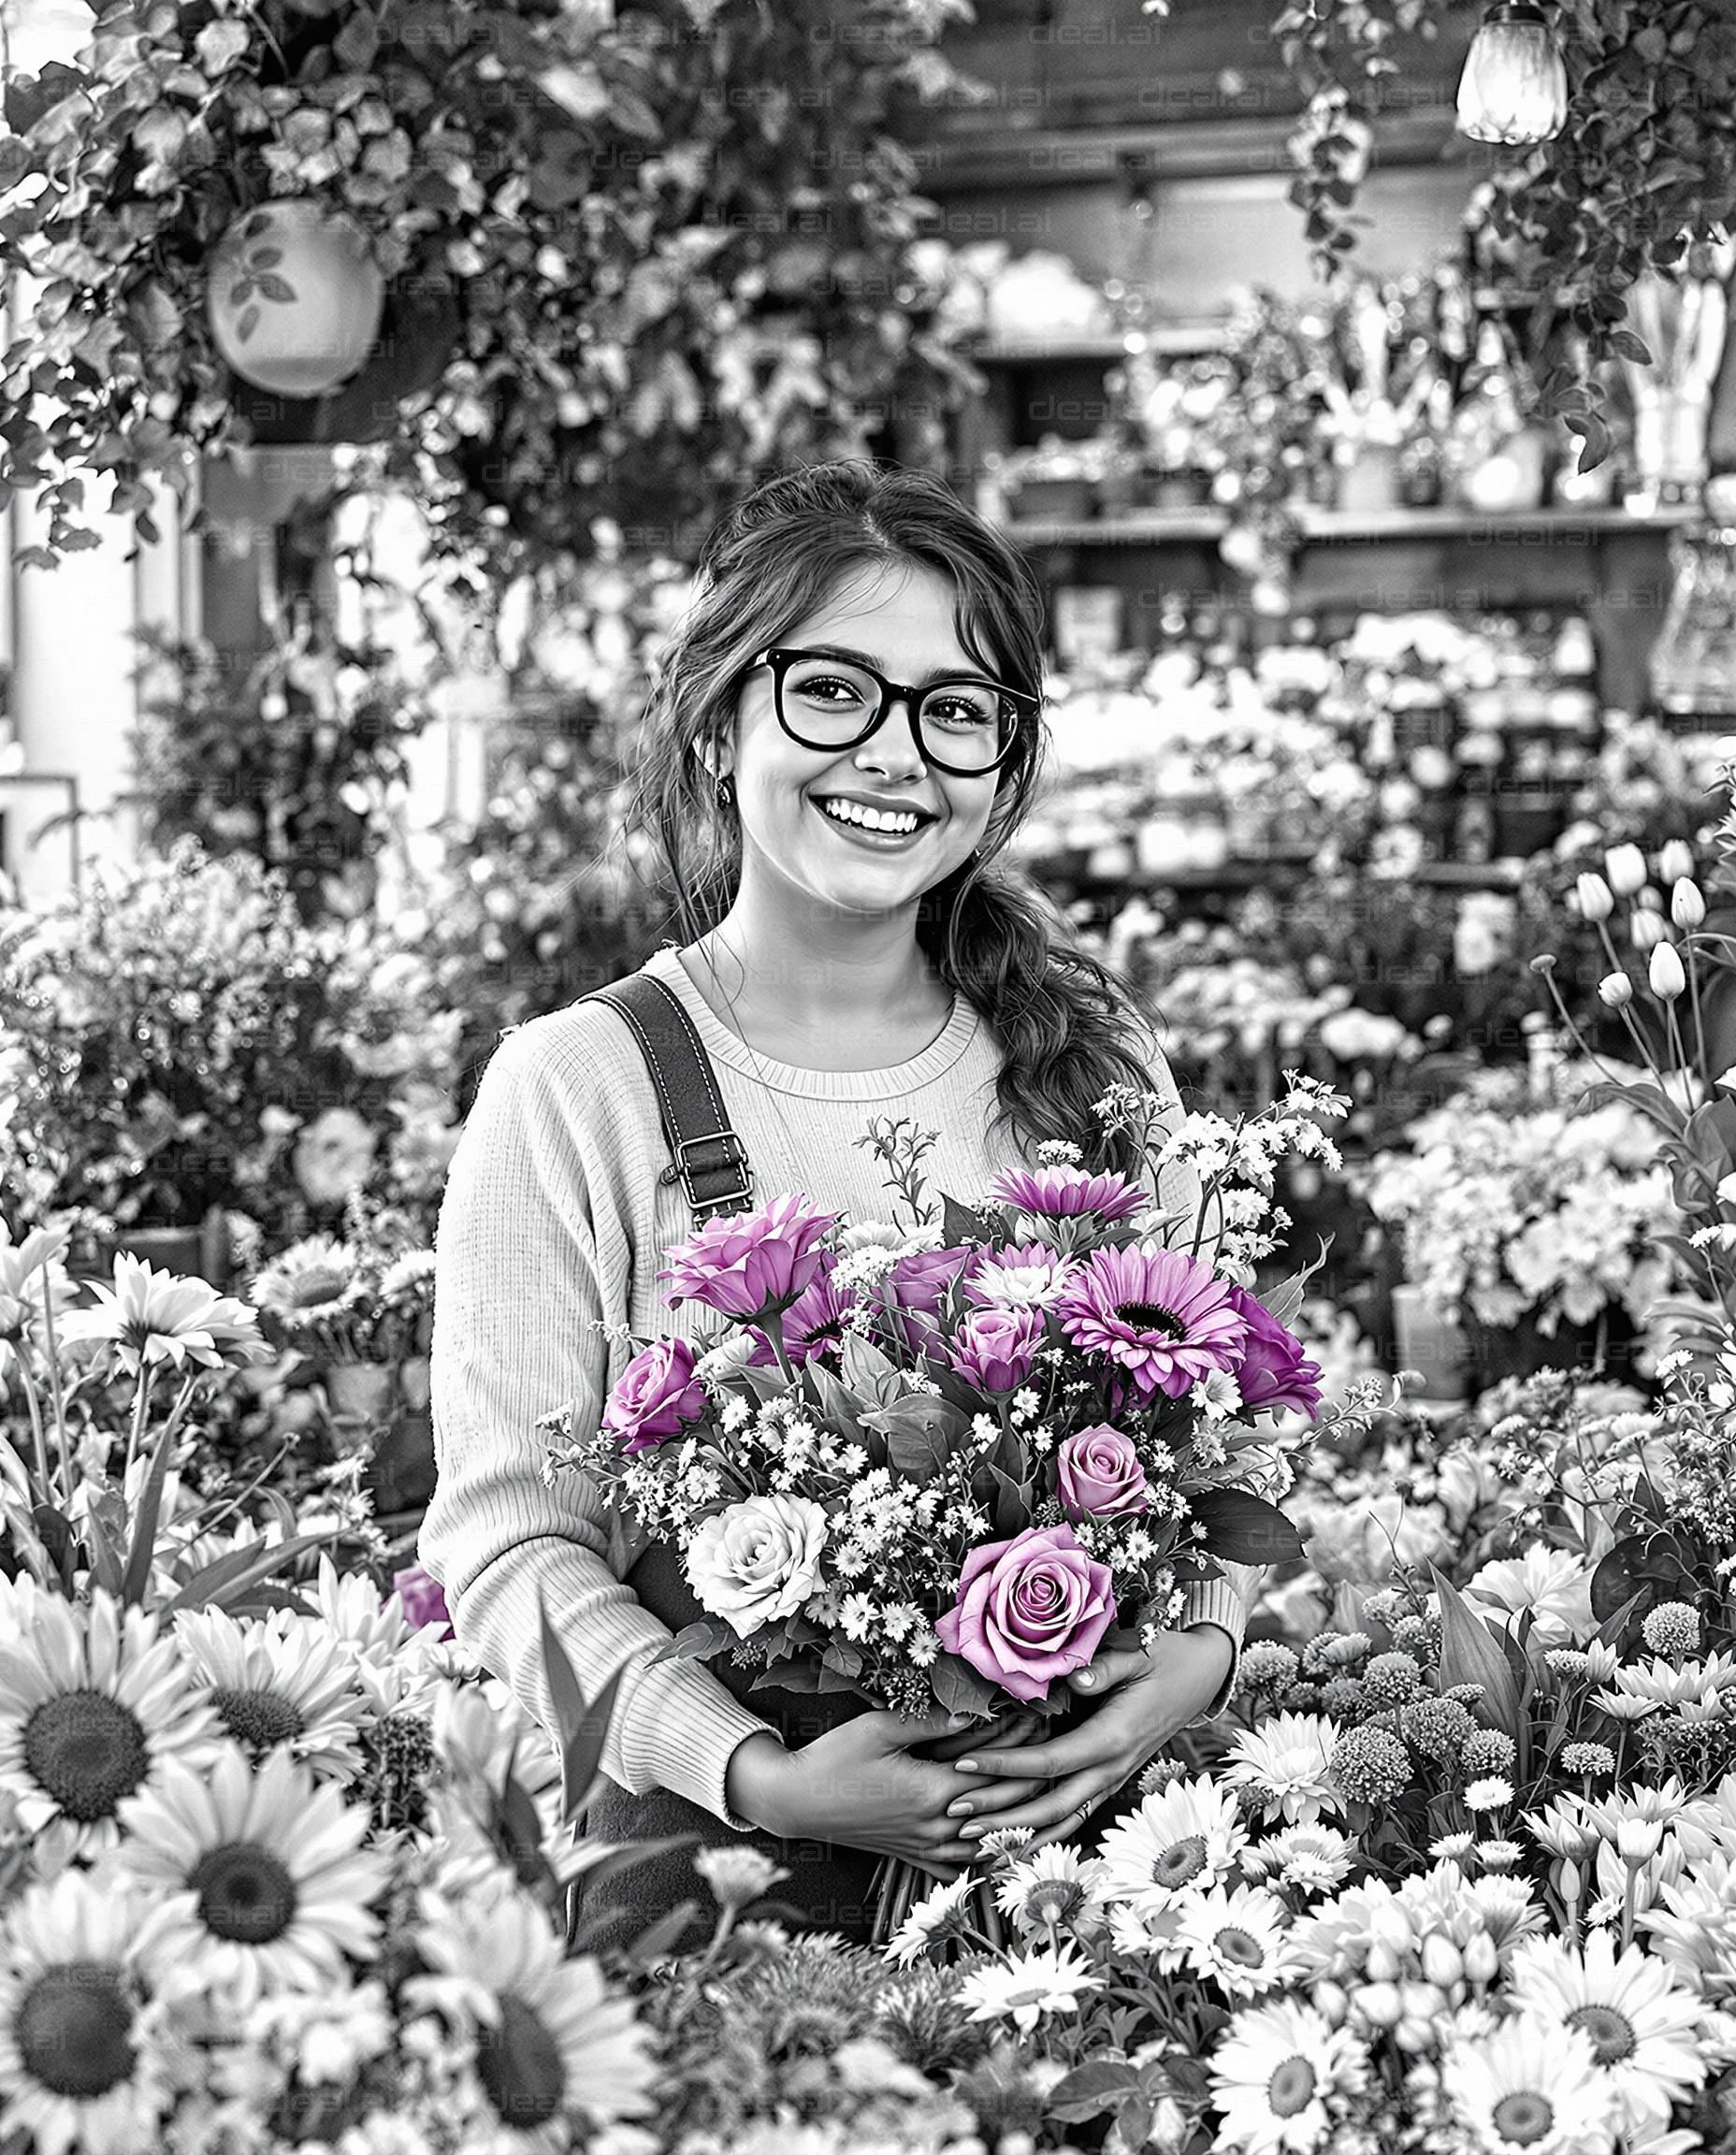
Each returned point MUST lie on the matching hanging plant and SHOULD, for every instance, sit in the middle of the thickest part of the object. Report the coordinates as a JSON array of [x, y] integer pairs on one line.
[[1641, 174], [628, 261]]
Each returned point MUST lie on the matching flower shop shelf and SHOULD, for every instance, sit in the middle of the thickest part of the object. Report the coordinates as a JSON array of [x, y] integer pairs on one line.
[[1325, 526]]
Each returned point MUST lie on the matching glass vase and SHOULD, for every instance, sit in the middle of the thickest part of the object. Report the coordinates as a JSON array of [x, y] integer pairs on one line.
[[1693, 664]]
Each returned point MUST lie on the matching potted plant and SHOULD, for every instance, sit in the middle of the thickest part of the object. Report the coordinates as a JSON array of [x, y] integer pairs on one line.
[[617, 262]]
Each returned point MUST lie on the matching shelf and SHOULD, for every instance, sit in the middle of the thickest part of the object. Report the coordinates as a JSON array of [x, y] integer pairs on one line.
[[1176, 340], [1497, 874], [1338, 526]]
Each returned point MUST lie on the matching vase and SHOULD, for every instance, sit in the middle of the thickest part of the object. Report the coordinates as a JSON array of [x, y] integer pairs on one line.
[[1425, 1339], [1692, 670]]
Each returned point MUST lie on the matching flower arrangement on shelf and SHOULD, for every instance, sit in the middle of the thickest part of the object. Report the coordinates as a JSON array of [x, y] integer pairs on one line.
[[532, 253], [367, 1296]]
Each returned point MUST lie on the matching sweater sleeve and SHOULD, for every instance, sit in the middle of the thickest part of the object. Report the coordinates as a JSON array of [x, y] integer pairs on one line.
[[528, 1258]]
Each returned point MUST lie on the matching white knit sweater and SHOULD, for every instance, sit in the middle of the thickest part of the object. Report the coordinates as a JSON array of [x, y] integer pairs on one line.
[[555, 1216]]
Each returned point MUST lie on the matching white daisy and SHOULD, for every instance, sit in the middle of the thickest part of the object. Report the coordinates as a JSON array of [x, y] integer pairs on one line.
[[1182, 1839], [1025, 1986], [1283, 1764], [352, 1609], [272, 1886], [1055, 1889], [1694, 1924], [1310, 1858], [1141, 1934], [1275, 2073], [1528, 2088], [1673, 1687], [93, 1704], [945, 1913], [79, 2067], [149, 1316], [556, 2052], [1237, 1939], [283, 1682], [1643, 2026]]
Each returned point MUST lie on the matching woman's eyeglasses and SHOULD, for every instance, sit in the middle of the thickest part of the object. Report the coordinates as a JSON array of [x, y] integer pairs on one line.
[[963, 724]]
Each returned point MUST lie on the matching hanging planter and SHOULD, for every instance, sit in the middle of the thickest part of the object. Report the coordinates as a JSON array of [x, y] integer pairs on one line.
[[295, 297]]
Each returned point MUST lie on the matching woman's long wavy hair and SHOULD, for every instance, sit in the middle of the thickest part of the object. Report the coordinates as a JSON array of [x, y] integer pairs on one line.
[[1067, 1027]]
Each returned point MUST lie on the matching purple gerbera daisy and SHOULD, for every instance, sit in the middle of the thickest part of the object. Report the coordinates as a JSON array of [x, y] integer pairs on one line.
[[1166, 1319], [813, 1322], [1062, 1193]]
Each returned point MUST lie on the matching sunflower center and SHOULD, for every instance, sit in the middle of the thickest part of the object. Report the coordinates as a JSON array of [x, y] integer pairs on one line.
[[1236, 1947], [520, 2066], [1611, 2035], [87, 1751], [1053, 1901], [244, 1893], [258, 1720], [1152, 1317], [72, 2028], [1290, 2088], [1523, 2117], [1181, 1860]]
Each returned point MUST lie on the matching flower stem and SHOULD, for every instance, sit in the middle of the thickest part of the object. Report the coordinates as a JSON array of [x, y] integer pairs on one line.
[[57, 1397], [771, 1325], [136, 1428]]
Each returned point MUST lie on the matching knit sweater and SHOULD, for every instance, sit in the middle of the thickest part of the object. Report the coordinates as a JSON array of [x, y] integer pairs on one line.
[[555, 1223]]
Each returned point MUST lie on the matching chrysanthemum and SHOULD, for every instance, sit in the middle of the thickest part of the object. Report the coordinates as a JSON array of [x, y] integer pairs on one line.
[[1529, 2087], [273, 1884], [1643, 2026], [1284, 1763], [1275, 2074], [93, 1706], [1062, 1193], [557, 2050], [1182, 1840], [1023, 1274], [284, 1681], [149, 1316], [1025, 1987], [942, 1913], [1165, 1319], [1055, 1889], [1310, 1858], [78, 2064], [307, 1282], [1237, 1938]]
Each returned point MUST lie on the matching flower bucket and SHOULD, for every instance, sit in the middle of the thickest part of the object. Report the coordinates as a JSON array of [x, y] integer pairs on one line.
[[1425, 1339]]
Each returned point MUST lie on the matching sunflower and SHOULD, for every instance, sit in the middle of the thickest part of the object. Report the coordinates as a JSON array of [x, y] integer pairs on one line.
[[1283, 1763], [1275, 2074], [1238, 1938], [1025, 1986], [308, 1283], [77, 2067], [1528, 2088], [1642, 2026], [149, 1316], [557, 2050], [272, 1885], [92, 1707], [281, 1681], [1182, 1840], [1166, 1319]]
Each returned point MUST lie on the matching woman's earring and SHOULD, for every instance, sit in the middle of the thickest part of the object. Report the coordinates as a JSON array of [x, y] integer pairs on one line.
[[724, 790]]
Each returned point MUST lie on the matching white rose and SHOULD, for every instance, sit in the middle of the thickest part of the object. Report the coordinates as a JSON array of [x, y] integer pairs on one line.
[[758, 1562]]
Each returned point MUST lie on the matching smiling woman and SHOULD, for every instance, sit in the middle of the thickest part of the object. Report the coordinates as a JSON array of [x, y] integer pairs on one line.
[[844, 736]]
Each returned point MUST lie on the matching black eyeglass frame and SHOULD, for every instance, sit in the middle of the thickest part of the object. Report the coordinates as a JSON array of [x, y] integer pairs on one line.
[[1018, 706]]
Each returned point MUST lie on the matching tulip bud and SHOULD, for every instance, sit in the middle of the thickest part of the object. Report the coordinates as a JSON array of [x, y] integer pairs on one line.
[[1615, 990], [1569, 1880], [1422, 2001], [1676, 860], [1379, 2004], [1668, 978], [1382, 1964], [1687, 908], [1414, 2036], [1594, 900], [1646, 931], [1442, 1962], [1482, 1959], [1331, 1999], [1625, 866], [1638, 1840]]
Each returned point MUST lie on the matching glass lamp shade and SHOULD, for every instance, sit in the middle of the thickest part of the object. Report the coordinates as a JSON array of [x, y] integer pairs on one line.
[[1515, 87], [295, 297]]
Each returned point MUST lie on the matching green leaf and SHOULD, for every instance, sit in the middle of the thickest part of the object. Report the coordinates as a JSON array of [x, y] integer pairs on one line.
[[136, 1582], [963, 1224], [1643, 1569], [696, 1642], [1088, 2089], [219, 1584], [789, 1676], [1469, 1655], [962, 1689], [1243, 1528], [580, 1728]]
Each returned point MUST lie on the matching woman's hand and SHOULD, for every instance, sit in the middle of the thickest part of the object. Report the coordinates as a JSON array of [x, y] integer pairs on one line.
[[871, 1783], [1146, 1697]]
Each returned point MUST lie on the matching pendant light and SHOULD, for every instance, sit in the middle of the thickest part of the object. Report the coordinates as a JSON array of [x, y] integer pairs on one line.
[[1515, 87]]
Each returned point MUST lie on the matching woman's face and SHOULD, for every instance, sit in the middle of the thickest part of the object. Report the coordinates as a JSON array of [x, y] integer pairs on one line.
[[796, 850]]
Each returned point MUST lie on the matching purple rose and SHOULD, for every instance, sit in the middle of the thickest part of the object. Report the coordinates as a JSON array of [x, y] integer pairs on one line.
[[915, 1288], [995, 1348], [1029, 1610], [1098, 1474], [751, 1264], [654, 1396], [421, 1597], [1275, 1371]]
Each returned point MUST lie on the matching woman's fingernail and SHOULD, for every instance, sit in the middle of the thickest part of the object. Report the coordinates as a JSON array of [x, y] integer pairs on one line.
[[970, 1833], [964, 1766], [962, 1809], [1086, 1679]]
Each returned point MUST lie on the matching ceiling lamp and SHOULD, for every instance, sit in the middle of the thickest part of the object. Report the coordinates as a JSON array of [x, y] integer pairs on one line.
[[1515, 87], [295, 297]]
